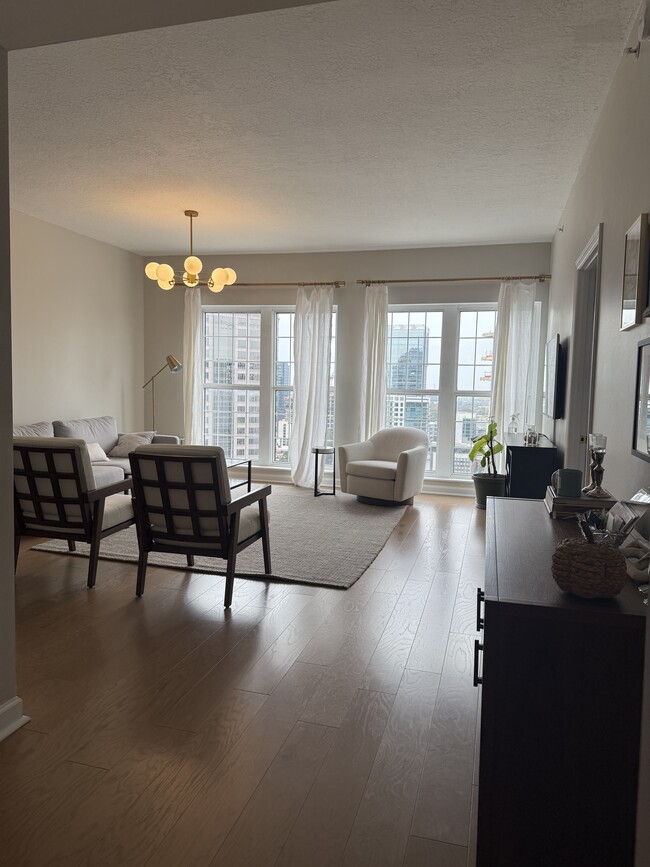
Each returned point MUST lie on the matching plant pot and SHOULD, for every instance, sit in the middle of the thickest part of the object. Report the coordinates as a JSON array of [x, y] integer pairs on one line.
[[488, 485]]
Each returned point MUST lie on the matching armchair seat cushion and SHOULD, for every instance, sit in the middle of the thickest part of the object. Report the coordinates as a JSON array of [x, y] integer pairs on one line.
[[106, 474], [249, 523], [117, 509], [372, 469]]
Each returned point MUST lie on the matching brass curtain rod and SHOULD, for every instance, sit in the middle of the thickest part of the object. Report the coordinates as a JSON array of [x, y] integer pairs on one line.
[[335, 283], [540, 278]]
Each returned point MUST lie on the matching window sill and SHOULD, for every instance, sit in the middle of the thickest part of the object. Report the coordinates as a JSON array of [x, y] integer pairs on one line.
[[432, 485]]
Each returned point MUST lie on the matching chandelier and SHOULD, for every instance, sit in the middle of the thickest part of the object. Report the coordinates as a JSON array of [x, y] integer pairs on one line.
[[167, 278]]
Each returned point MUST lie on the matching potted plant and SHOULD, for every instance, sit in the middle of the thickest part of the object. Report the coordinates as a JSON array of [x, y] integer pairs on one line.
[[488, 483]]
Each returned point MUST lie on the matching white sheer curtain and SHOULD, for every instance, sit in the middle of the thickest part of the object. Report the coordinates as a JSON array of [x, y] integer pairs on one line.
[[192, 369], [515, 358], [373, 374], [312, 332]]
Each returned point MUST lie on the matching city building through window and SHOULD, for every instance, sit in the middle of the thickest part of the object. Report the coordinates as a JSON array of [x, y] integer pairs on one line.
[[248, 383]]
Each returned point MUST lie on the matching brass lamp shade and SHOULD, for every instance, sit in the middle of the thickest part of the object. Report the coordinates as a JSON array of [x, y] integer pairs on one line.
[[173, 363]]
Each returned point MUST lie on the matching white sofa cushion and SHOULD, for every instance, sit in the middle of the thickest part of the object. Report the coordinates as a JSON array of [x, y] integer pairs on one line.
[[96, 453], [38, 429], [372, 469], [102, 430], [129, 442]]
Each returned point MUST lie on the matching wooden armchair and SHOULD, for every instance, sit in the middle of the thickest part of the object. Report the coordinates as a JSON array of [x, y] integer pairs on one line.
[[183, 505], [55, 496]]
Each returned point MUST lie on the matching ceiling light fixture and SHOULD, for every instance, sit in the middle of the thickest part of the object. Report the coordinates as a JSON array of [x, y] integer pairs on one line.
[[167, 278]]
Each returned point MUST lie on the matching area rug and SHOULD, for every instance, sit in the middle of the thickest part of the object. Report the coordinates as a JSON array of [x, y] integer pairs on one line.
[[327, 541]]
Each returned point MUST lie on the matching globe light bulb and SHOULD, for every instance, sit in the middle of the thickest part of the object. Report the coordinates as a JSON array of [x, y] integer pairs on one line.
[[190, 279], [193, 265], [167, 284], [165, 273], [214, 287], [151, 269], [232, 276], [219, 275]]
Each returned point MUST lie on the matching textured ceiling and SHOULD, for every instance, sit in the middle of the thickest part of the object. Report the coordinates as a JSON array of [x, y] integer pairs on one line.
[[355, 124], [28, 23]]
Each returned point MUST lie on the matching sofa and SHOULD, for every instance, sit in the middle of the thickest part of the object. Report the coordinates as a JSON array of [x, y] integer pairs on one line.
[[102, 431]]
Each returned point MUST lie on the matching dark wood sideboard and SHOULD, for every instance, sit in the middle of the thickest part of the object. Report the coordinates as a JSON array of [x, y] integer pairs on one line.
[[561, 705], [529, 468]]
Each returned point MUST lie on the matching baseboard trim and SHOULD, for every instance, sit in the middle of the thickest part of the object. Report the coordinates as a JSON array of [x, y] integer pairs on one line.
[[11, 717], [449, 487]]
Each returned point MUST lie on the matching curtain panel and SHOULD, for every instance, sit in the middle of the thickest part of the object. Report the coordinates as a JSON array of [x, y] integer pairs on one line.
[[515, 358], [373, 372], [311, 350], [192, 368]]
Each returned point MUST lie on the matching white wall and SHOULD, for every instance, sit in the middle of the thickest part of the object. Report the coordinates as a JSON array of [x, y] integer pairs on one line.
[[77, 323], [164, 310], [612, 187]]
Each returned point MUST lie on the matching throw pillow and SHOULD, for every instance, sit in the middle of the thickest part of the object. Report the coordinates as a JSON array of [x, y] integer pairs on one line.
[[96, 452], [127, 443]]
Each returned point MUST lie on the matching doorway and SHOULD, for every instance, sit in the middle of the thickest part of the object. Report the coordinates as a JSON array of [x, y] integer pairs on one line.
[[583, 353]]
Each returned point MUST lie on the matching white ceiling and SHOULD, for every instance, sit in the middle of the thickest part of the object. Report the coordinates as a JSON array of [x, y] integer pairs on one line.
[[355, 124]]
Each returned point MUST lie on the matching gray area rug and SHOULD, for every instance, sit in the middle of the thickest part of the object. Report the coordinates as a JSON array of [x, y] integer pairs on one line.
[[328, 541]]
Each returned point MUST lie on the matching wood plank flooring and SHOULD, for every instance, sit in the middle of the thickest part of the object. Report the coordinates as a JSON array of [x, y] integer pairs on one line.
[[305, 727]]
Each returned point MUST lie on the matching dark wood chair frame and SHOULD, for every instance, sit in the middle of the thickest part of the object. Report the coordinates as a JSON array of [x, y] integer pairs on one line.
[[225, 546], [88, 528]]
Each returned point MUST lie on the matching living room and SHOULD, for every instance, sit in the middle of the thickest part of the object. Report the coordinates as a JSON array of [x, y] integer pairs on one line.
[[88, 329]]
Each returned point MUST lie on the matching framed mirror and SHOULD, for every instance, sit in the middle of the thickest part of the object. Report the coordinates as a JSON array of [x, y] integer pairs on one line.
[[635, 273], [641, 435]]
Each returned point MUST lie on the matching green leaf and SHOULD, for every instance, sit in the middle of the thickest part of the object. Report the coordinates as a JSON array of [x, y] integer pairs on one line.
[[496, 448]]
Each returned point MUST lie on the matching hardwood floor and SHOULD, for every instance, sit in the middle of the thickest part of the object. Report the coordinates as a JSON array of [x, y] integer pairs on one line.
[[305, 727]]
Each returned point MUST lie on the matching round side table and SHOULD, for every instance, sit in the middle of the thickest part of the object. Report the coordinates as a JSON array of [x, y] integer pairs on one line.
[[324, 450]]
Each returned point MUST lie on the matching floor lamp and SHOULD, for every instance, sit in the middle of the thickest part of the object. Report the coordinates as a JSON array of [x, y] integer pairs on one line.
[[174, 365]]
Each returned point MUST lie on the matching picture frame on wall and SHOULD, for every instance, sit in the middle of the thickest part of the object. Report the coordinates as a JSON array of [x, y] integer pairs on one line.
[[634, 301], [641, 428]]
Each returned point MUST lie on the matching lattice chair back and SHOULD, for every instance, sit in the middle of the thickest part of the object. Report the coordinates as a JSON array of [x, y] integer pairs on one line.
[[51, 477], [180, 493]]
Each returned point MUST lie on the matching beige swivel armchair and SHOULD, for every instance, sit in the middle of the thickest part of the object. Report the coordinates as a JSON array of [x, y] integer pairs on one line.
[[388, 469]]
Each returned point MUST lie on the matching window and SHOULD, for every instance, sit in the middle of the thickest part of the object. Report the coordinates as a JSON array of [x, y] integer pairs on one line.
[[439, 378], [248, 382], [413, 373], [473, 382]]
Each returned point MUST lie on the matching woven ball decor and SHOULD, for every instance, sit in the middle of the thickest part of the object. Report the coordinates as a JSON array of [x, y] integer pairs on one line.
[[593, 571]]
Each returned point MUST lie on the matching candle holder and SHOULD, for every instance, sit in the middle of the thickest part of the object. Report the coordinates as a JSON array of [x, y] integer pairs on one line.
[[597, 447]]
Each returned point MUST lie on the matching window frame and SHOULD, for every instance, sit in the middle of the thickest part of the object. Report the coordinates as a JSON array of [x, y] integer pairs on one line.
[[447, 391]]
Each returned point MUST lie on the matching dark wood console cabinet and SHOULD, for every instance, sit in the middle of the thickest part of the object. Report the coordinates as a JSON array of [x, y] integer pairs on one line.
[[529, 468], [561, 705]]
